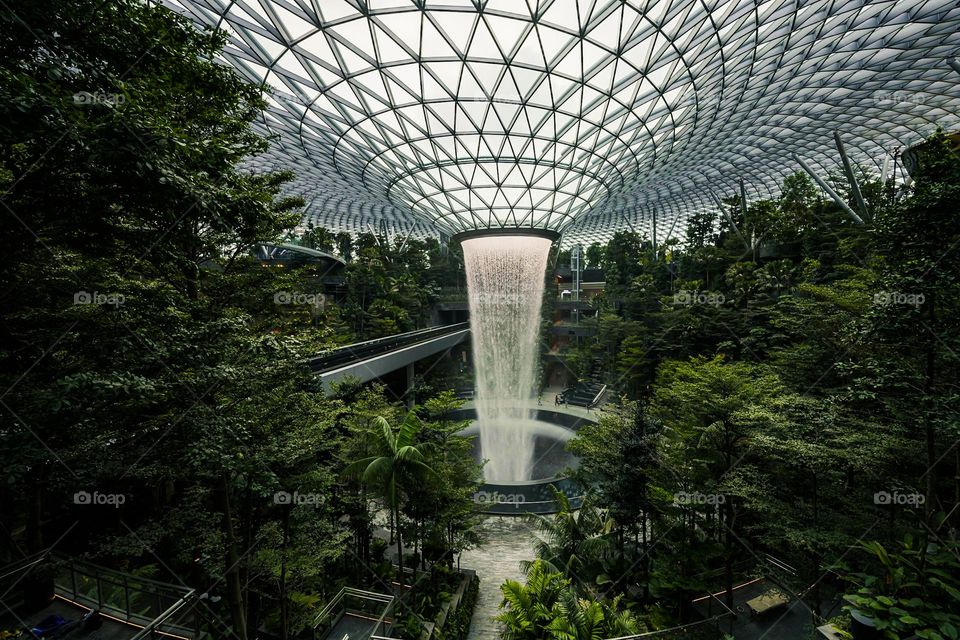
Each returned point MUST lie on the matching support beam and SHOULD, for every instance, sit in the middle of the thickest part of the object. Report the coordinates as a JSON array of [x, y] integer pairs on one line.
[[411, 396], [404, 243], [676, 219], [752, 245], [851, 178], [743, 206], [729, 218], [654, 212], [833, 194]]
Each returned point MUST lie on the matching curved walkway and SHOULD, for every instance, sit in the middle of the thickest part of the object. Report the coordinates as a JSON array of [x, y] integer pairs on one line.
[[509, 540], [547, 403]]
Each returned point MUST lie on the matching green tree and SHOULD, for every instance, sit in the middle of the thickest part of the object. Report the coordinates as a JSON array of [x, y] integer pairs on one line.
[[344, 243], [595, 254], [912, 323], [396, 466], [700, 404], [618, 458], [317, 238], [122, 149], [574, 542]]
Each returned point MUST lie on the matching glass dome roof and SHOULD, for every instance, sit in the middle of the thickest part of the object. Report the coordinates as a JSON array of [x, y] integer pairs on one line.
[[583, 116]]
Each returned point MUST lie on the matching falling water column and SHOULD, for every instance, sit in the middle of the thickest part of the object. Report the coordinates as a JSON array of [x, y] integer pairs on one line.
[[505, 278]]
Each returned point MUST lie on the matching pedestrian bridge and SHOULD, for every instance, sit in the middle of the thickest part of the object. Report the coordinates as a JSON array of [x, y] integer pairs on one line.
[[373, 359]]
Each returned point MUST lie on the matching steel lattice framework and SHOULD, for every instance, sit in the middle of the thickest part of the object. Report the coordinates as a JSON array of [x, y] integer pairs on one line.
[[578, 115]]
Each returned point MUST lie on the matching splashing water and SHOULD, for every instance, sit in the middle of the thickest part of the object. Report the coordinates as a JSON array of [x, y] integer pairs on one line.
[[505, 278]]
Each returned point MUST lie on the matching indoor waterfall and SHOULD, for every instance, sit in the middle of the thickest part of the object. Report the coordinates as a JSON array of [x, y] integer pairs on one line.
[[505, 278]]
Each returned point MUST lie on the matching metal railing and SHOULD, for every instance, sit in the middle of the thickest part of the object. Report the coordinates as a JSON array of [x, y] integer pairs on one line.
[[140, 601], [681, 632], [165, 621], [350, 353], [357, 602]]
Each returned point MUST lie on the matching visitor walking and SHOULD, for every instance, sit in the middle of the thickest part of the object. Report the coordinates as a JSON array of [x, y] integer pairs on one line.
[[556, 400]]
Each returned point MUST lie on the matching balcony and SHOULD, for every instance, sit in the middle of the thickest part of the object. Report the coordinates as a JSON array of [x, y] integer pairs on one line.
[[583, 329]]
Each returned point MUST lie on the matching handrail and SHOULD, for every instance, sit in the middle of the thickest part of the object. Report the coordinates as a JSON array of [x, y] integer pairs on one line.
[[100, 569], [148, 630], [360, 593], [358, 351], [24, 563], [134, 599], [651, 634], [596, 398], [373, 341]]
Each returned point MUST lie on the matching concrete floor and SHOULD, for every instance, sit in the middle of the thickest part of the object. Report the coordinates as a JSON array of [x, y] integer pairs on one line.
[[792, 621], [353, 627], [110, 630]]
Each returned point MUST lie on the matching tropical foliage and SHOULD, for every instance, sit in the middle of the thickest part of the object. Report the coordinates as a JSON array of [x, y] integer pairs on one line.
[[785, 381]]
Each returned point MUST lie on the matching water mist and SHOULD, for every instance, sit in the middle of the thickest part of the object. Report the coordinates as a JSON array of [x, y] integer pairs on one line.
[[505, 278]]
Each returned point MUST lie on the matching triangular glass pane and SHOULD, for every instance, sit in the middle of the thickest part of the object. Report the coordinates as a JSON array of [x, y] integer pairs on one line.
[[507, 31], [387, 48], [456, 25]]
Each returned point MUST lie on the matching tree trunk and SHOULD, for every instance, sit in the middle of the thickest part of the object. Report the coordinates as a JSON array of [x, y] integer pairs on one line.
[[247, 543], [284, 623], [417, 550], [816, 556], [399, 548], [930, 407], [35, 515], [391, 526], [232, 560], [728, 560]]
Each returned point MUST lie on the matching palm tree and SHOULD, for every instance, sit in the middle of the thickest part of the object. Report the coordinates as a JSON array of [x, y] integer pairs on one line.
[[573, 542], [547, 608], [398, 461], [530, 607], [582, 619]]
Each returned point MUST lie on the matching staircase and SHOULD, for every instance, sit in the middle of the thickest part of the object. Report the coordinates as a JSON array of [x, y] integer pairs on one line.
[[586, 393]]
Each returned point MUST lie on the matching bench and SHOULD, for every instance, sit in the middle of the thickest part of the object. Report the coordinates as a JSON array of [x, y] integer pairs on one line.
[[766, 602]]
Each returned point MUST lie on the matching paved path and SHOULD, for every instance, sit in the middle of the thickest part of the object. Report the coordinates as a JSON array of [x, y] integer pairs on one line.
[[509, 540]]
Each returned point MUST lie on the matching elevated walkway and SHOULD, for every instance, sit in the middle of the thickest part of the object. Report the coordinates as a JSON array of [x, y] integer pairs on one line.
[[354, 614], [372, 359], [51, 595]]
